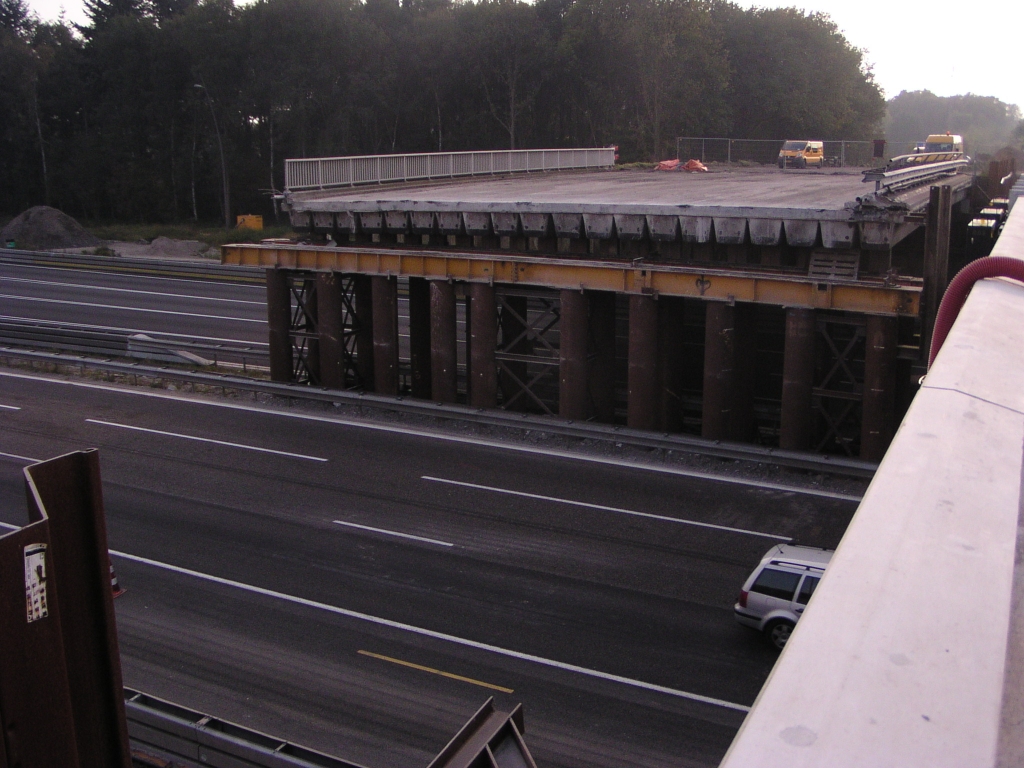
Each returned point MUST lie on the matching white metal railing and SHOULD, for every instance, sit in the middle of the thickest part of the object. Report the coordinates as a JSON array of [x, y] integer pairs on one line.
[[911, 652], [330, 172]]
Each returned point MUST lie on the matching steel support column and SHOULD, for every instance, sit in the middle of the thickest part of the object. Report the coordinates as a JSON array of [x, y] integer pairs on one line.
[[385, 335], [936, 259], [305, 322], [741, 409], [483, 342], [279, 318], [642, 408], [331, 329], [878, 411], [362, 287], [719, 360], [419, 336], [515, 340], [670, 361], [572, 353], [443, 346], [798, 380], [602, 355]]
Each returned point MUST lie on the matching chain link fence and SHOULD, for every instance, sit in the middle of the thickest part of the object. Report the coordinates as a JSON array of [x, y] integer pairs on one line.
[[838, 154]]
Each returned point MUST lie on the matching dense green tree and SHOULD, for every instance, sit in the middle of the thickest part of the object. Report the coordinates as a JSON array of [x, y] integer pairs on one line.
[[986, 123]]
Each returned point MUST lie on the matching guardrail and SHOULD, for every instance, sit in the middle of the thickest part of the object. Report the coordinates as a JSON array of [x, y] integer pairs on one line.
[[329, 172], [185, 269], [900, 178], [911, 652]]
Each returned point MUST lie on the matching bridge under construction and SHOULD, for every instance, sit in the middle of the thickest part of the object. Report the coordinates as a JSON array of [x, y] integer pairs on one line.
[[787, 308]]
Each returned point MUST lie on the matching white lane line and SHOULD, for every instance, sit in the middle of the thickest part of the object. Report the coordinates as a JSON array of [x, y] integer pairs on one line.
[[9, 408], [394, 533], [129, 309], [140, 276], [87, 286], [205, 440], [436, 635], [29, 459], [602, 507], [482, 442], [123, 329]]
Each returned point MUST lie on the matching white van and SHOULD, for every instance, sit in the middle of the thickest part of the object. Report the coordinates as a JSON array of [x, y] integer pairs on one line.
[[776, 593]]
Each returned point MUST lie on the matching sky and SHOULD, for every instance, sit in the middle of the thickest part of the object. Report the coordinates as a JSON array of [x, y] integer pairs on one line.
[[945, 47]]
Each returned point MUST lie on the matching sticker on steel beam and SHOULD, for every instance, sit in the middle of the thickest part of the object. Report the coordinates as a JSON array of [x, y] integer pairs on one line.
[[397, 221], [535, 224], [422, 222], [371, 222], [730, 231], [630, 226], [802, 232], [664, 229], [35, 582], [598, 225], [323, 220], [765, 231], [506, 224], [477, 223], [838, 234], [449, 222], [695, 229], [568, 224]]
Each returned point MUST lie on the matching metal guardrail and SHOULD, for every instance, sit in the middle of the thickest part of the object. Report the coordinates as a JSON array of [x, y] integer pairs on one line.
[[832, 465], [328, 172], [892, 181], [186, 734], [179, 268]]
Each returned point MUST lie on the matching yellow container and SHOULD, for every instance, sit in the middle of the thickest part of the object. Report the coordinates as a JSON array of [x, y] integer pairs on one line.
[[249, 222]]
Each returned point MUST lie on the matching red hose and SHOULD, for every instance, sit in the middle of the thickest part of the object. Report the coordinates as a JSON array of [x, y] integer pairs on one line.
[[959, 288]]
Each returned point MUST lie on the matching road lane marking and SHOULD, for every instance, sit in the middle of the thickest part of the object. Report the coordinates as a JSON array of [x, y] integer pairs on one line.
[[20, 458], [564, 666], [205, 440], [129, 309], [127, 290], [604, 508], [123, 329], [394, 533], [9, 408], [433, 671], [458, 439]]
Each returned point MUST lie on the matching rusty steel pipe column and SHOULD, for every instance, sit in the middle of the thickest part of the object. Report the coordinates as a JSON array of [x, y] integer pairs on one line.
[[279, 320], [602, 351], [878, 413], [419, 336], [643, 406], [483, 343], [572, 356], [362, 288], [719, 359], [385, 334], [331, 330], [443, 346], [797, 380]]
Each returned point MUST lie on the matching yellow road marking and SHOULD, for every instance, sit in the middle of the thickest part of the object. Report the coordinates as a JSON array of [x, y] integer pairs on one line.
[[437, 672]]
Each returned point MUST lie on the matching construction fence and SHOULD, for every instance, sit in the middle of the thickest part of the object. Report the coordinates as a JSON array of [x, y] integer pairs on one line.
[[766, 151]]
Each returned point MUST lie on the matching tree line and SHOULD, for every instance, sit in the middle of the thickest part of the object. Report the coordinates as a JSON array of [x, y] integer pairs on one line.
[[155, 107]]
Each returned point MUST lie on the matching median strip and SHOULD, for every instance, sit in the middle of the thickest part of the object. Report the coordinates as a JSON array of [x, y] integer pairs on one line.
[[206, 440], [604, 508]]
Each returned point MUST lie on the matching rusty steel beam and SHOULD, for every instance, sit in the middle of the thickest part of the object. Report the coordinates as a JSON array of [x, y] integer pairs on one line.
[[419, 336], [643, 407], [385, 335], [670, 361], [719, 360], [443, 342], [878, 415], [572, 353], [797, 380], [483, 343], [602, 354], [778, 289], [331, 329], [279, 321]]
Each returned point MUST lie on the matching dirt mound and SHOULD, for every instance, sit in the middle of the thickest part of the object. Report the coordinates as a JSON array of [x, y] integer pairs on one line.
[[45, 229]]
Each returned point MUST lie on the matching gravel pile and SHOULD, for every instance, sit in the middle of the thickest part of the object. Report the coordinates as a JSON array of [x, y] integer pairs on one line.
[[46, 229]]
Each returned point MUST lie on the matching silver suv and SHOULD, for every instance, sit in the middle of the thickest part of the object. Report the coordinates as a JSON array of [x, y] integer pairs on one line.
[[778, 590]]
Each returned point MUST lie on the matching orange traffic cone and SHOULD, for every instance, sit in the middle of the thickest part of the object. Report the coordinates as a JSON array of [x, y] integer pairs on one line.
[[114, 586]]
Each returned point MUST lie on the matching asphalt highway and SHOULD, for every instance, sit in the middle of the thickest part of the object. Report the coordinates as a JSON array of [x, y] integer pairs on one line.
[[362, 588]]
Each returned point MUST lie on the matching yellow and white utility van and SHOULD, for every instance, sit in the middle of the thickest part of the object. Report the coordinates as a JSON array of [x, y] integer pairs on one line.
[[802, 154]]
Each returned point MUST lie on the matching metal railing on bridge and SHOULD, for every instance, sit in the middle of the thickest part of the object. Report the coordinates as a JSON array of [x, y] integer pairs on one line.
[[330, 172]]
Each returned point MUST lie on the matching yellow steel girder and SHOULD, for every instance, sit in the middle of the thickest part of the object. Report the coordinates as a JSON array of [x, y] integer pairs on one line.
[[713, 284]]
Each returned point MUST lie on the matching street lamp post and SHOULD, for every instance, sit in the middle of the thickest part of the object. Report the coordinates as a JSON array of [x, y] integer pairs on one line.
[[223, 164]]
